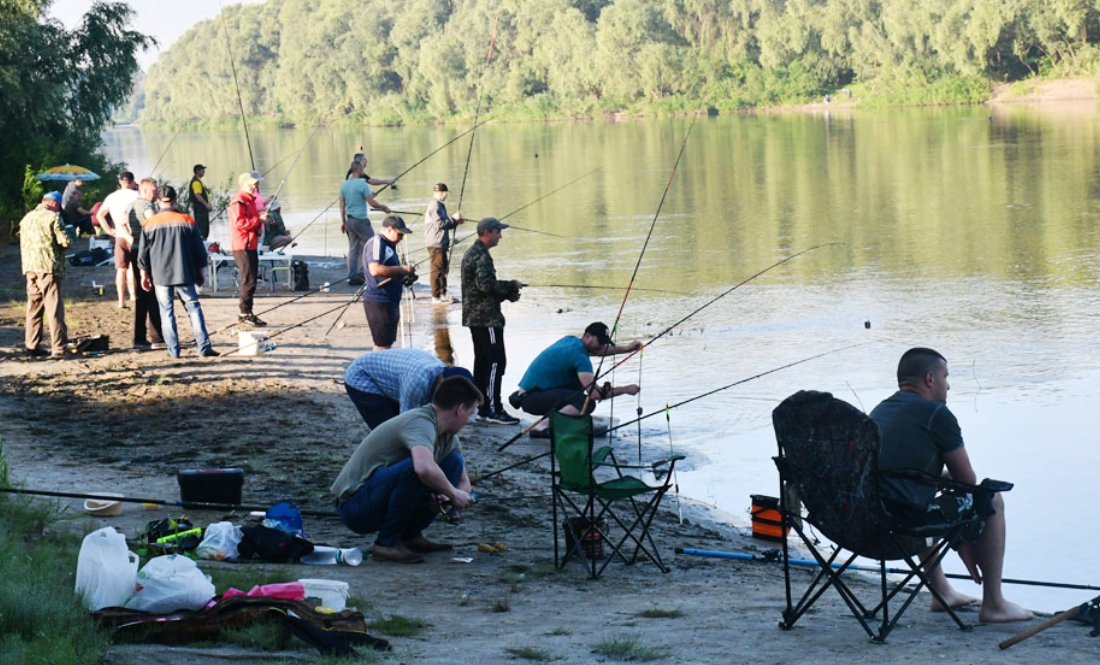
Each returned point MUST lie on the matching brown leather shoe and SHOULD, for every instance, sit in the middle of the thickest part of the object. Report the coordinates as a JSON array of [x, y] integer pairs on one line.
[[397, 553], [422, 545]]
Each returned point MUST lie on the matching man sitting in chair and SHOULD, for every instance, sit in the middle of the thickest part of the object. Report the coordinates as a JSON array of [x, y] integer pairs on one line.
[[405, 466], [561, 377], [920, 432]]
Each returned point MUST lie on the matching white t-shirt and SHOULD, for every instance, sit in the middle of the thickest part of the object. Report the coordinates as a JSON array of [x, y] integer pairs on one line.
[[118, 204]]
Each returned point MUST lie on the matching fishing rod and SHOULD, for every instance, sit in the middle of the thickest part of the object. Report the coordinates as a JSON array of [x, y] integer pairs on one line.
[[737, 383], [294, 163], [638, 264], [236, 83], [164, 152], [597, 376], [774, 556], [296, 325], [358, 294], [383, 188], [599, 288], [194, 505], [320, 289], [550, 193], [470, 150]]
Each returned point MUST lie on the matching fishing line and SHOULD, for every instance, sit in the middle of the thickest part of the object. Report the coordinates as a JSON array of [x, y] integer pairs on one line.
[[675, 474], [358, 294], [159, 502], [319, 289], [598, 288], [638, 264], [470, 150], [153, 171], [300, 324], [294, 163], [240, 100], [664, 332]]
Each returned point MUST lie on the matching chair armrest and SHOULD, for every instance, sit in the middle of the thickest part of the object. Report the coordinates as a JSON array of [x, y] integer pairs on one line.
[[941, 482]]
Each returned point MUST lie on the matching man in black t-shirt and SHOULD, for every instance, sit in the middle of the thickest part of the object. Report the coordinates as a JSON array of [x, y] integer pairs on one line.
[[920, 432]]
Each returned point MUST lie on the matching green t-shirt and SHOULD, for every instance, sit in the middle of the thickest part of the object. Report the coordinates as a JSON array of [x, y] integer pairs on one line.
[[390, 443]]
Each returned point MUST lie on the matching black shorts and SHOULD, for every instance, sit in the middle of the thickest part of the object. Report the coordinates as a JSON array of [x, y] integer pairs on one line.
[[382, 317]]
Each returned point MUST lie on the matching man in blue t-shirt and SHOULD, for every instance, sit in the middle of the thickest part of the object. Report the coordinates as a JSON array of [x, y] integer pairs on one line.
[[355, 197], [919, 432], [561, 376], [385, 277]]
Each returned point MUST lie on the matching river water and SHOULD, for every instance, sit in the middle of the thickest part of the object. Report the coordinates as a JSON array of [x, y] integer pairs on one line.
[[974, 234]]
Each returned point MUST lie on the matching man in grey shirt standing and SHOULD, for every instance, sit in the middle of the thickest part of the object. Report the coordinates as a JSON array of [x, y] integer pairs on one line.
[[437, 223]]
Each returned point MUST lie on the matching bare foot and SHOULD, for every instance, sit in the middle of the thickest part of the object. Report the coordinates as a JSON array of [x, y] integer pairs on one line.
[[955, 600], [1003, 613]]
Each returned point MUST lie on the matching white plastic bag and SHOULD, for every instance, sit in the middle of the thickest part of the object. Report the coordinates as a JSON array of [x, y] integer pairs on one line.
[[169, 583], [220, 542], [106, 569]]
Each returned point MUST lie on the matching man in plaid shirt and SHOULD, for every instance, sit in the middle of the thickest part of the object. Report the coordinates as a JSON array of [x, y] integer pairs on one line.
[[382, 384]]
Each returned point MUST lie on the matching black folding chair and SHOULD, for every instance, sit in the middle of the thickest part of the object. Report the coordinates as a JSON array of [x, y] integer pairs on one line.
[[828, 457], [588, 506]]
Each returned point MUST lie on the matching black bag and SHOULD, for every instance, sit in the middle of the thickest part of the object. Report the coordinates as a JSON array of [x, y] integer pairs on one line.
[[300, 272], [265, 544]]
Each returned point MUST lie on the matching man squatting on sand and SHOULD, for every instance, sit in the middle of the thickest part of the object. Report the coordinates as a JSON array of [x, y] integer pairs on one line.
[[397, 475], [561, 377], [382, 384], [920, 432]]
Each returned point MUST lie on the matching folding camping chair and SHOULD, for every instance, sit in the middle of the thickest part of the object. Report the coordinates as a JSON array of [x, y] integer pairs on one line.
[[828, 457], [588, 505]]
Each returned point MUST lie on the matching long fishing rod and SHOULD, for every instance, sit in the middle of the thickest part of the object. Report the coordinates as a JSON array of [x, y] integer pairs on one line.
[[638, 264], [774, 556], [598, 288], [383, 188], [153, 171], [236, 83], [320, 289], [598, 375], [294, 163], [697, 397], [194, 505], [300, 323], [477, 115], [550, 193], [346, 307]]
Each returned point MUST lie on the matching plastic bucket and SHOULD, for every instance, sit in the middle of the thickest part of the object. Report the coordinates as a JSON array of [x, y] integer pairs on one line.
[[592, 538], [329, 593], [767, 523], [251, 343]]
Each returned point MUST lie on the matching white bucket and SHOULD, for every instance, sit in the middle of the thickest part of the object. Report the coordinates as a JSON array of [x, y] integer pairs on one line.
[[329, 593], [251, 343]]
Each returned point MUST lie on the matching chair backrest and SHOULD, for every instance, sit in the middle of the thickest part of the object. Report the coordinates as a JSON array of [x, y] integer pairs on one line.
[[830, 452], [572, 438]]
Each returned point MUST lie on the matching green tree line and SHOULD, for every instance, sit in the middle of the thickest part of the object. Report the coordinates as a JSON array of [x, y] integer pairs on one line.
[[301, 61], [58, 89]]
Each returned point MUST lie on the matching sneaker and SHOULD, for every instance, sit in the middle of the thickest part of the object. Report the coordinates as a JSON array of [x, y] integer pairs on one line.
[[158, 346], [397, 553], [422, 545], [210, 353], [141, 346], [36, 353], [501, 417], [251, 320], [540, 433], [358, 280]]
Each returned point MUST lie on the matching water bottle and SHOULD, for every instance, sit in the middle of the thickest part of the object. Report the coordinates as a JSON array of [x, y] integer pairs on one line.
[[330, 556], [351, 556]]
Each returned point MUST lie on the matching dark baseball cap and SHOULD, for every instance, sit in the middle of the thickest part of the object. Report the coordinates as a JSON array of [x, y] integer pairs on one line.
[[600, 331], [449, 372], [395, 222], [490, 224], [198, 167]]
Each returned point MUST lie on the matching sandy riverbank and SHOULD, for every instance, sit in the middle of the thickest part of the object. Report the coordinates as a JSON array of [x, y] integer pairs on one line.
[[127, 421]]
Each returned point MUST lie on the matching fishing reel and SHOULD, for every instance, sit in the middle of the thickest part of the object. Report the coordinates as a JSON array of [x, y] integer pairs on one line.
[[410, 279]]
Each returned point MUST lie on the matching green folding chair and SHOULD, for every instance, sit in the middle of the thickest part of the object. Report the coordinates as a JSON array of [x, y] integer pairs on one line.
[[585, 507]]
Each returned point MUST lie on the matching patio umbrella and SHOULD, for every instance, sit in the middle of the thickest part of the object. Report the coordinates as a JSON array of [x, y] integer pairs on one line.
[[67, 173]]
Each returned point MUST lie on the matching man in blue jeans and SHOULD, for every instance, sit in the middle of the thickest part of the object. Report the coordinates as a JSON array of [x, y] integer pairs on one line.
[[395, 479], [172, 259]]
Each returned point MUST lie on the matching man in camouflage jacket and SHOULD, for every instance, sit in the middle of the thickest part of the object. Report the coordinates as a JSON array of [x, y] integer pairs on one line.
[[41, 243], [482, 294]]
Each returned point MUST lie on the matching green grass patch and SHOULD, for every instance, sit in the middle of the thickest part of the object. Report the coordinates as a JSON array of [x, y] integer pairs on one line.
[[658, 613], [531, 653], [628, 650], [246, 577], [398, 626], [41, 618]]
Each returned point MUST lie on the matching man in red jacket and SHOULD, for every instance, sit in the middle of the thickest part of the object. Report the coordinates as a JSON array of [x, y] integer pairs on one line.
[[245, 227]]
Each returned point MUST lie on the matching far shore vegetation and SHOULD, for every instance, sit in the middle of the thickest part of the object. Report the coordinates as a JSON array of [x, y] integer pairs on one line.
[[305, 63]]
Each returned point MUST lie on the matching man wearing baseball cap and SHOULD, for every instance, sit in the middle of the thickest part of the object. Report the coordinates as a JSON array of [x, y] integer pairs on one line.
[[383, 384], [200, 201], [385, 277], [482, 294], [561, 376], [246, 224], [42, 241], [437, 224]]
